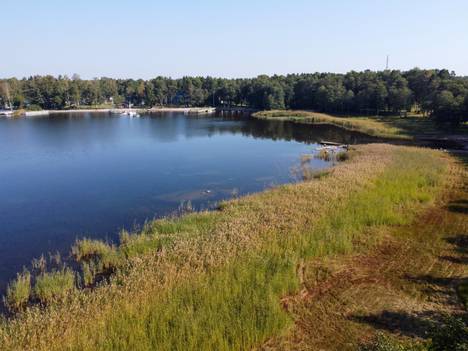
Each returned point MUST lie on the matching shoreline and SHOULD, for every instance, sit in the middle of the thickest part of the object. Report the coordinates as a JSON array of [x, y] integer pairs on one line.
[[188, 110], [397, 131], [360, 124]]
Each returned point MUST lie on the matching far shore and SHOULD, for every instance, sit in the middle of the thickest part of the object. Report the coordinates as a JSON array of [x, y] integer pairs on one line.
[[194, 110]]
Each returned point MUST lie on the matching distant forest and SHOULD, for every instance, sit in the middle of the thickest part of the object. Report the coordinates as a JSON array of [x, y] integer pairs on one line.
[[437, 93]]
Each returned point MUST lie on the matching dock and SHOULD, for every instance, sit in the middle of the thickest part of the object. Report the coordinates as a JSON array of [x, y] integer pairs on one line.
[[332, 144], [186, 110]]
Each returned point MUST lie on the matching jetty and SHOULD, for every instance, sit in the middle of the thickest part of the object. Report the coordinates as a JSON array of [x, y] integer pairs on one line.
[[235, 109], [331, 145], [185, 110]]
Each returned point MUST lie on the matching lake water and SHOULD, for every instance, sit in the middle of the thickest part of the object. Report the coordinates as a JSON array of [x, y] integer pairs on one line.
[[72, 175]]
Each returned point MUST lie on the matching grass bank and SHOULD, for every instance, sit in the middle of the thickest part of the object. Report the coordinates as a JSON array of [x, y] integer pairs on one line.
[[368, 125], [409, 290], [220, 280], [413, 128]]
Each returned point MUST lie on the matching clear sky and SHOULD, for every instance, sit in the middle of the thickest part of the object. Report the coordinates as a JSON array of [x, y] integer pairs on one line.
[[237, 38]]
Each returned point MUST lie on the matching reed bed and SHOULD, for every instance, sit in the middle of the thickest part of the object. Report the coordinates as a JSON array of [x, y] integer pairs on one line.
[[214, 280]]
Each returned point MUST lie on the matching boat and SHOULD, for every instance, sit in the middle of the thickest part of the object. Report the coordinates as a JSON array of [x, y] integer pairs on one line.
[[132, 114], [6, 113], [125, 113]]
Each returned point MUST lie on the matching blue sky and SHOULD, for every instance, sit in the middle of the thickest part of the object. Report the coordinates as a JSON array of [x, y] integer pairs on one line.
[[239, 38]]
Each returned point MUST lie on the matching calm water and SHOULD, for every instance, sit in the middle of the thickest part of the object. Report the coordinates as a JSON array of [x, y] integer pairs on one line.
[[70, 176]]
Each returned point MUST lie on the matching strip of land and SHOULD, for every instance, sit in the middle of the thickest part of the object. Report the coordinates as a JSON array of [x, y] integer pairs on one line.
[[194, 110], [412, 129], [366, 125], [249, 274]]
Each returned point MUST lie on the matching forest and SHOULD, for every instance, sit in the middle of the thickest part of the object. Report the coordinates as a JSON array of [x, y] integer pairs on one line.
[[437, 93]]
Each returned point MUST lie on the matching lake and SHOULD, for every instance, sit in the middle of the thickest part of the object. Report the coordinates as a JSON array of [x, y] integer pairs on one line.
[[68, 176]]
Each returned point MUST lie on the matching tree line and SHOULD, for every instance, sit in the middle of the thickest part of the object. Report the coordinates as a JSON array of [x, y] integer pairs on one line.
[[438, 93]]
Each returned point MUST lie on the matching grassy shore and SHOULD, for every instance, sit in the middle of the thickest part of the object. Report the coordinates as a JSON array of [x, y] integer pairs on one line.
[[366, 125], [220, 280], [410, 128]]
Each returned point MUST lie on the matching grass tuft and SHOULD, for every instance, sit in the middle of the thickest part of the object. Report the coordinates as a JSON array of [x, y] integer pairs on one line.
[[18, 292], [54, 286]]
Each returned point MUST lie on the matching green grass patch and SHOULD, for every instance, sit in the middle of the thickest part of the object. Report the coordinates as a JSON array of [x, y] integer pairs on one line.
[[18, 292], [54, 286]]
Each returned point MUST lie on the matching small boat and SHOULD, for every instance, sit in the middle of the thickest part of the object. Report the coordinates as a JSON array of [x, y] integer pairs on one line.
[[132, 114], [126, 113], [6, 113]]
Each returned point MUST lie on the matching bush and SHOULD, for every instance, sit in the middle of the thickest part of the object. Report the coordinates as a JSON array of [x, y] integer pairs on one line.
[[54, 286], [462, 291], [342, 156], [18, 292], [387, 343], [452, 335]]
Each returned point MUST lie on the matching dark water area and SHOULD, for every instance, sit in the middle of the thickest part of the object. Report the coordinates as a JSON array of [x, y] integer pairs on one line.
[[68, 176]]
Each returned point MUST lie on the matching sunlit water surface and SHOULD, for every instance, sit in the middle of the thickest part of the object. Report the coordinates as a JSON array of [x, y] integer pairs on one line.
[[73, 175]]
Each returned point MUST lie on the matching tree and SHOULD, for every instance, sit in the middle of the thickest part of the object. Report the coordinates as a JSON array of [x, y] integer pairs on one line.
[[447, 107], [5, 94], [438, 93]]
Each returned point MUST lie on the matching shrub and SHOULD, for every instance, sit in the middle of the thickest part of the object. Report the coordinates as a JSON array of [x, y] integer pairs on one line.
[[462, 291], [324, 154], [342, 156], [452, 335], [53, 286], [18, 292], [387, 343]]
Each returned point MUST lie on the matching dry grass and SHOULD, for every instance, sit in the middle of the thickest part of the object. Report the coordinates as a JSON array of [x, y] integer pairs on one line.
[[215, 280], [406, 284], [367, 125]]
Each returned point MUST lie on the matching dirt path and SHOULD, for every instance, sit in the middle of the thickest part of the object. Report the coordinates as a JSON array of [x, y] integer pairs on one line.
[[401, 286]]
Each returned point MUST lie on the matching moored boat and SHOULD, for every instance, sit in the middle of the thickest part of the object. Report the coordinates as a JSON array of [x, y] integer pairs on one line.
[[6, 113]]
